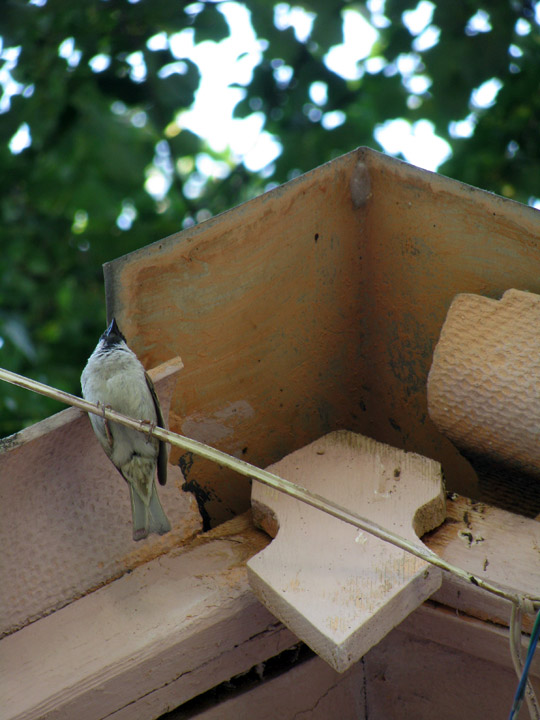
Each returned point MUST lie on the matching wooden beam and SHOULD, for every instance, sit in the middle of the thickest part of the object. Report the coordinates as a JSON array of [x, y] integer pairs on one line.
[[147, 642], [305, 311], [311, 690], [185, 622], [482, 393], [68, 529], [439, 664], [491, 543]]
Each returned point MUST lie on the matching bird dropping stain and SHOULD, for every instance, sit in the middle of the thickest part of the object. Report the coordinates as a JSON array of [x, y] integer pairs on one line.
[[360, 185]]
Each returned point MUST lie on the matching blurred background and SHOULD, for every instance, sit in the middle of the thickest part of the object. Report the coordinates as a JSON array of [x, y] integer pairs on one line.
[[124, 121]]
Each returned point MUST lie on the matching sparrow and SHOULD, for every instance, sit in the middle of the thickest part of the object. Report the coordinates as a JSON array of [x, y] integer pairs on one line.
[[114, 378]]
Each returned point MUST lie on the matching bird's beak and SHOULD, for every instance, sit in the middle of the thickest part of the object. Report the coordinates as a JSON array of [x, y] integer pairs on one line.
[[113, 329]]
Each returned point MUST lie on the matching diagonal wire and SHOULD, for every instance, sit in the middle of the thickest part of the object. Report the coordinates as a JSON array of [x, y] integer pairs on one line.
[[518, 600]]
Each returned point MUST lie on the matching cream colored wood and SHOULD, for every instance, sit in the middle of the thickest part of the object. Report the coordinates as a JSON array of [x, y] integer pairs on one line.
[[436, 664], [494, 544], [338, 589], [147, 642], [316, 306], [484, 384], [440, 665]]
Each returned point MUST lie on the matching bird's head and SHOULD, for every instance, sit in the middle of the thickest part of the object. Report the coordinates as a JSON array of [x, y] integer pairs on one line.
[[112, 335]]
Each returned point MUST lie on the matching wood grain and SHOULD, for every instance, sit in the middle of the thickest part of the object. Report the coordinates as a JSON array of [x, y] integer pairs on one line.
[[311, 690], [439, 664], [180, 625], [147, 642], [338, 589], [494, 544]]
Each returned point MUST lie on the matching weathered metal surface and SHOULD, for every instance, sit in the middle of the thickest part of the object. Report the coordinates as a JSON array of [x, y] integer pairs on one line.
[[316, 307]]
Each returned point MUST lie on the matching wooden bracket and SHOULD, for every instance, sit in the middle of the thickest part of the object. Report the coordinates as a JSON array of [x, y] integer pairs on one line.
[[483, 386], [338, 589]]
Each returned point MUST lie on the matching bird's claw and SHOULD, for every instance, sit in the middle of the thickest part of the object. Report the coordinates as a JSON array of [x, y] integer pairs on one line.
[[152, 426], [106, 422]]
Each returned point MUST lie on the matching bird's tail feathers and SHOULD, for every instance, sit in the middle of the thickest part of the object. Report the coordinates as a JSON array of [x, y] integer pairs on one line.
[[149, 518], [159, 523], [139, 513]]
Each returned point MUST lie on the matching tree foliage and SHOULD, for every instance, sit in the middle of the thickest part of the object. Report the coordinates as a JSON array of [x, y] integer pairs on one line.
[[76, 198]]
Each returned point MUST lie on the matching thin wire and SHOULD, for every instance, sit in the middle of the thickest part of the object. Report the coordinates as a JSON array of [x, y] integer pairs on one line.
[[515, 651], [524, 687], [274, 481], [267, 478], [515, 637]]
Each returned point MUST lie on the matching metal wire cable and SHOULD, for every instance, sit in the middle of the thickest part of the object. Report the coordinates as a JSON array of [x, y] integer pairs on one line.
[[524, 688]]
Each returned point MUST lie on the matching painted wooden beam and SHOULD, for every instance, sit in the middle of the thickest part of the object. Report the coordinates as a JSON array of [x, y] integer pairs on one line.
[[183, 623], [147, 642], [311, 690], [440, 664], [494, 544], [68, 529]]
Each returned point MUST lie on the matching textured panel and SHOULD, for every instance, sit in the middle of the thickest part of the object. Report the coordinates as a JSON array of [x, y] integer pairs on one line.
[[66, 526], [338, 589], [484, 384]]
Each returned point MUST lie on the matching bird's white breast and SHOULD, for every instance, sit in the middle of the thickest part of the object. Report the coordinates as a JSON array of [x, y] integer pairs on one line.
[[117, 379]]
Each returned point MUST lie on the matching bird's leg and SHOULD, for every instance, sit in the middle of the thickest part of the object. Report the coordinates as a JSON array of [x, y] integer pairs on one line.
[[152, 426], [106, 422]]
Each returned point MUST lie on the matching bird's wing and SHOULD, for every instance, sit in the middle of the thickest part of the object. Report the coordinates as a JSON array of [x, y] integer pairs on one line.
[[162, 453]]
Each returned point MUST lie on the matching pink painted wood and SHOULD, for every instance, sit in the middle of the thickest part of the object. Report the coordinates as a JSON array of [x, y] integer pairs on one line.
[[66, 525]]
